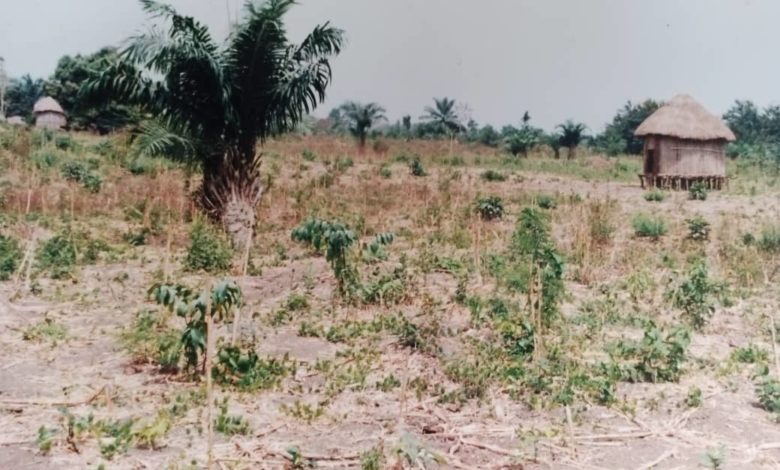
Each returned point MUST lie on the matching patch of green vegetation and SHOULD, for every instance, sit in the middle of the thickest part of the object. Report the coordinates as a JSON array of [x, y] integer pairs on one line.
[[416, 167], [57, 256], [770, 239], [151, 340], [10, 256], [46, 329], [493, 176], [694, 295], [697, 191], [490, 207], [230, 425], [545, 201], [654, 195], [648, 226], [698, 229], [209, 250], [657, 357], [304, 411], [768, 393], [241, 368], [750, 354]]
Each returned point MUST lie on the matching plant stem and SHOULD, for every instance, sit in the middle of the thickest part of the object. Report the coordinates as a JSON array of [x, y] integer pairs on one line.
[[209, 391]]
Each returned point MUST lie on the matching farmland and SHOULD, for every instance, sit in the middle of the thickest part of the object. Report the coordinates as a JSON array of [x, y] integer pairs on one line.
[[476, 310]]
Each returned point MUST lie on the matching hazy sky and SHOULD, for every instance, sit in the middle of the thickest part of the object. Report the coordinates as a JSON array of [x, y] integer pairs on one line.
[[559, 59]]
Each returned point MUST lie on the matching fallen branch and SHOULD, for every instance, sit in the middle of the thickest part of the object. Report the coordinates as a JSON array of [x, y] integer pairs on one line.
[[610, 437], [489, 447], [661, 458], [66, 404]]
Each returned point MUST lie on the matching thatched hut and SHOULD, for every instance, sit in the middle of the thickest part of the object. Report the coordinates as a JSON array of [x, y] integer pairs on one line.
[[684, 143], [49, 114]]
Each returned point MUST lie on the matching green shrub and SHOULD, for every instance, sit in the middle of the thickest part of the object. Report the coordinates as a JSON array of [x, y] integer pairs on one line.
[[92, 182], [697, 191], [545, 201], [79, 172], [241, 368], [416, 166], [308, 155], [10, 255], [658, 357], [769, 395], [648, 226], [493, 175], [208, 251], [385, 171], [490, 207], [694, 295], [698, 228], [57, 256], [336, 239], [655, 195], [770, 239], [46, 158], [230, 425]]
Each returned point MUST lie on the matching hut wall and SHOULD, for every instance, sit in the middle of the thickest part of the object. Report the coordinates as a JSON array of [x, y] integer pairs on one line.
[[50, 120], [679, 157]]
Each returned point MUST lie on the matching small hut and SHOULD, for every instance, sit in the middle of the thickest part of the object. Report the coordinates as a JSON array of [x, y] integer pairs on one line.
[[684, 143], [49, 114]]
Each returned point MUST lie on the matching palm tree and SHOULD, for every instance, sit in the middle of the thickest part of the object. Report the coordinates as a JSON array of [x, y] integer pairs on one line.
[[572, 134], [213, 103], [444, 116], [22, 95], [358, 118]]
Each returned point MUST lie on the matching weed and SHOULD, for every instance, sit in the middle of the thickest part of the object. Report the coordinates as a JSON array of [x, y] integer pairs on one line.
[[750, 354], [416, 167], [45, 439], [208, 251], [77, 171], [698, 229], [648, 226], [770, 239], [385, 171], [241, 368], [373, 459], [336, 239], [545, 201], [45, 329], [57, 256], [715, 457], [769, 395], [308, 155], [658, 357], [388, 383], [490, 207], [493, 175], [697, 191], [694, 295], [150, 339], [694, 398], [304, 411], [10, 256], [654, 195], [230, 425]]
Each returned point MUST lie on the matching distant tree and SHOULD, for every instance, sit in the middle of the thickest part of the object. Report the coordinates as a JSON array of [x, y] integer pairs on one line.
[[745, 120], [572, 134], [64, 86], [21, 96], [406, 121], [359, 118], [619, 134], [553, 140], [443, 115], [213, 104], [526, 118], [487, 135]]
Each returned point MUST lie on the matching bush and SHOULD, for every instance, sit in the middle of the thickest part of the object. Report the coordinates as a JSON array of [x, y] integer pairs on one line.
[[416, 166], [545, 201], [697, 191], [241, 368], [694, 295], [770, 239], [490, 207], [493, 175], [208, 251], [698, 229], [10, 255], [648, 226], [78, 172], [308, 155], [57, 256], [655, 195], [769, 395], [658, 357]]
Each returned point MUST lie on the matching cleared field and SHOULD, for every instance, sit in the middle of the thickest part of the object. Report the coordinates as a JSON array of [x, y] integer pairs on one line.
[[572, 321]]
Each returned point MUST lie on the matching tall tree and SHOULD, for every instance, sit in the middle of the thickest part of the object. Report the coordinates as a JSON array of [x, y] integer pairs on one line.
[[572, 134], [213, 104], [22, 95], [745, 120], [618, 135], [359, 118], [444, 117]]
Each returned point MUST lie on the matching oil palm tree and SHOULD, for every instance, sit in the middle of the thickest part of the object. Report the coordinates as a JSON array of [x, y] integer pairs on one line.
[[444, 115], [359, 118], [212, 104], [571, 135]]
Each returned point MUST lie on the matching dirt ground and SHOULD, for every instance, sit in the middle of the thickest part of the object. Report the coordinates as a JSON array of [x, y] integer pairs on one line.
[[90, 372]]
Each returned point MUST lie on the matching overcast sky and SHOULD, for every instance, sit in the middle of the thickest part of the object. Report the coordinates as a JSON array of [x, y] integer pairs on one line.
[[558, 59]]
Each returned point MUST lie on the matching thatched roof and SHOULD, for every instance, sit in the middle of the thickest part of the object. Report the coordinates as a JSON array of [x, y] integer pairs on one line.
[[47, 105], [684, 118]]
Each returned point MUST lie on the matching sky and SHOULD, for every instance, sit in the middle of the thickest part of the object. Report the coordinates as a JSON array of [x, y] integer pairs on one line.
[[558, 59]]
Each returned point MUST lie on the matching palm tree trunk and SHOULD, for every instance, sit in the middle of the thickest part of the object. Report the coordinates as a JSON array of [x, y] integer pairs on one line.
[[572, 152], [230, 192]]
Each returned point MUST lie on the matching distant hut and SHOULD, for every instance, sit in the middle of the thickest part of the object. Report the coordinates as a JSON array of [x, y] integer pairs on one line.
[[684, 143], [49, 114]]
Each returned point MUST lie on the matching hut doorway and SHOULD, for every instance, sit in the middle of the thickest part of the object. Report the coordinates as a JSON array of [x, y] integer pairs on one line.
[[650, 162]]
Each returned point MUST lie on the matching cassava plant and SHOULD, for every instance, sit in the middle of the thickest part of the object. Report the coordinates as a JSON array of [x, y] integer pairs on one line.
[[211, 103]]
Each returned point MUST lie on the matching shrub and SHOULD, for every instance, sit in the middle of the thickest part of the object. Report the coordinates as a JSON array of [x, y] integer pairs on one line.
[[308, 155], [416, 166], [545, 201], [698, 228], [770, 239], [65, 142], [10, 255], [658, 357], [697, 191], [241, 368], [336, 239], [694, 295], [57, 256], [655, 195], [769, 395], [46, 158], [648, 226], [490, 207], [493, 175], [78, 172], [385, 171], [208, 251]]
